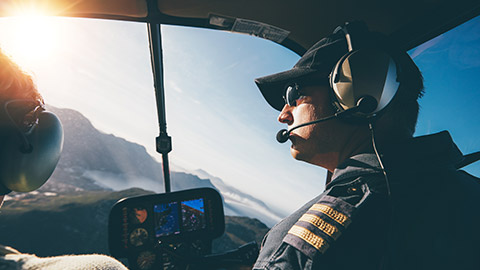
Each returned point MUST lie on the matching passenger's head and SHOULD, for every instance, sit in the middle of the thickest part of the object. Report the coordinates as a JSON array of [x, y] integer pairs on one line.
[[312, 73], [15, 84]]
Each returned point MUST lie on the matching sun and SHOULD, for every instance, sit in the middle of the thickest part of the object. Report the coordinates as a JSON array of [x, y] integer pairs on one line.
[[30, 38]]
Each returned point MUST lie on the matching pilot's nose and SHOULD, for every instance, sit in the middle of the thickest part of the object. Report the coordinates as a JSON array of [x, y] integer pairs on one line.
[[286, 116]]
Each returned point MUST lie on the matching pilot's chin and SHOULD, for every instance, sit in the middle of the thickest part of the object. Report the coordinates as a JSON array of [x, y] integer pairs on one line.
[[299, 153], [294, 152]]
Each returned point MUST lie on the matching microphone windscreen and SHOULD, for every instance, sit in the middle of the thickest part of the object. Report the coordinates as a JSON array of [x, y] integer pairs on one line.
[[282, 136]]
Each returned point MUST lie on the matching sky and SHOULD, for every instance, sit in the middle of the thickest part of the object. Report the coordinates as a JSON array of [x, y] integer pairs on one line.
[[450, 65], [218, 120]]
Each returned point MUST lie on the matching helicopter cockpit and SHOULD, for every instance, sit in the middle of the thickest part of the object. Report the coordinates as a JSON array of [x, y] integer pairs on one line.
[[202, 193]]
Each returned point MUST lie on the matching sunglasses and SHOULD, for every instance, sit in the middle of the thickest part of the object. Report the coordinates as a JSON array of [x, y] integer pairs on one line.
[[23, 113], [292, 94]]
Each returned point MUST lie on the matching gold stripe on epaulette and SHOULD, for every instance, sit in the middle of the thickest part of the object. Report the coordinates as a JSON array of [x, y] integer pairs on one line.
[[325, 227], [316, 241], [332, 213]]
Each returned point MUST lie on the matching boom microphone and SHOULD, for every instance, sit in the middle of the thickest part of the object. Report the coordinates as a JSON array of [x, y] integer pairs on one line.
[[366, 105], [283, 135]]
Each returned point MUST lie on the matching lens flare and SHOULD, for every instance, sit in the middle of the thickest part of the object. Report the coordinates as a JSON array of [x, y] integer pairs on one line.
[[32, 36]]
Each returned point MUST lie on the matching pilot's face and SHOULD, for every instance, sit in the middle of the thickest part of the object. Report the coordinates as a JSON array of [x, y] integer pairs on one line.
[[318, 143]]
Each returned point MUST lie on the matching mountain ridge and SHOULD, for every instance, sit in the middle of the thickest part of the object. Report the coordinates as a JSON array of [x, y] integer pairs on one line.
[[93, 160]]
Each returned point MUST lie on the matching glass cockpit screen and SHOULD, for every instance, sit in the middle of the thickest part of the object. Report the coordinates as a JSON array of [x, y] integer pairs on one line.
[[172, 218], [193, 215], [166, 219]]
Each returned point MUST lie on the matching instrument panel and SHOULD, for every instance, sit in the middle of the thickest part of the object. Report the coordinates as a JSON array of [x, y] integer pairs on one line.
[[162, 231]]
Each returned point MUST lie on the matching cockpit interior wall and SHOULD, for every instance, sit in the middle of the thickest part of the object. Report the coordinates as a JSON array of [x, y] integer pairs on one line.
[[409, 22]]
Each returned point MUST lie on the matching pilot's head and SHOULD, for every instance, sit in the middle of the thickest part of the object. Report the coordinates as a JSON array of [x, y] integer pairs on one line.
[[330, 78], [31, 138]]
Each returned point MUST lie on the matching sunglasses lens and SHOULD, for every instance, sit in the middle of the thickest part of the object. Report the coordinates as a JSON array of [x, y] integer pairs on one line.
[[22, 112], [291, 95]]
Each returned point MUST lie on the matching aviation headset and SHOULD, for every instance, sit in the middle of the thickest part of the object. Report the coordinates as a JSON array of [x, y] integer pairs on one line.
[[367, 75], [363, 82], [30, 147], [370, 76]]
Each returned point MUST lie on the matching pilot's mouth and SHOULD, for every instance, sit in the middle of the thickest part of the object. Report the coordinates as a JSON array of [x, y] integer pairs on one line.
[[292, 138]]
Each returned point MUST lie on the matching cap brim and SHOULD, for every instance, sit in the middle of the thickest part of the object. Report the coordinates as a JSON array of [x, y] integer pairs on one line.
[[273, 86]]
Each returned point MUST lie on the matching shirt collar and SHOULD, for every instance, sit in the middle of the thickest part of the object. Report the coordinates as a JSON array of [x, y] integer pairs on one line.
[[355, 166], [423, 152]]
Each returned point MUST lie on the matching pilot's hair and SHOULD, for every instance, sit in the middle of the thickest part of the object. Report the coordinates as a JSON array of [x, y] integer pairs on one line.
[[14, 82], [402, 113]]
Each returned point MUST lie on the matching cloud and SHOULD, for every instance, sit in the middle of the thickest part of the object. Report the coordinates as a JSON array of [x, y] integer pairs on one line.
[[174, 86], [425, 46]]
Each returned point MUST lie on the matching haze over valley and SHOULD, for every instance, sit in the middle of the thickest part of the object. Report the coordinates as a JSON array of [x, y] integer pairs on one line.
[[95, 161]]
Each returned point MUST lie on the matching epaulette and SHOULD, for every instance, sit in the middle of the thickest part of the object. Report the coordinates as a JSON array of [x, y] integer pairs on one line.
[[320, 226]]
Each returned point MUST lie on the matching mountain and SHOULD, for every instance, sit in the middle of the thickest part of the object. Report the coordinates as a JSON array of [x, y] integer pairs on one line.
[[92, 160], [69, 214], [95, 161], [237, 203]]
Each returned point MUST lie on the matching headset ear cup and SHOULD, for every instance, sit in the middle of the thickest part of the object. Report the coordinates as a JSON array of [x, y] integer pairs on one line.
[[341, 84], [26, 171], [366, 72]]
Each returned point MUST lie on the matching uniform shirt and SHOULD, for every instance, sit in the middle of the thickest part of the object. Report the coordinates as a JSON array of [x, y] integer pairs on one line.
[[11, 259], [429, 221]]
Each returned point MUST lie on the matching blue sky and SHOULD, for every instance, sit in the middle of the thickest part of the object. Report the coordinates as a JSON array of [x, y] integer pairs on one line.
[[450, 65], [216, 116]]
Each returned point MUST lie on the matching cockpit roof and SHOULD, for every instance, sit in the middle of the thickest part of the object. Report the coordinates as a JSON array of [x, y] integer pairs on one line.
[[409, 22]]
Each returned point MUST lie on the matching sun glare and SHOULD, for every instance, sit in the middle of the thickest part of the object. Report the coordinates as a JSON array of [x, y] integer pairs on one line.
[[31, 38]]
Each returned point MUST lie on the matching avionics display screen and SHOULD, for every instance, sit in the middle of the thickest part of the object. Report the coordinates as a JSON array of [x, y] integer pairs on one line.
[[193, 215], [166, 219], [173, 218]]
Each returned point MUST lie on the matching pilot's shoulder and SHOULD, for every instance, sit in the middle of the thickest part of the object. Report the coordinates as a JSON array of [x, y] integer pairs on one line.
[[328, 218]]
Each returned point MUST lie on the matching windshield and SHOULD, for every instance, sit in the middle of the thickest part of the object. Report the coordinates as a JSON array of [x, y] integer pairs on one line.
[[450, 64], [96, 75], [221, 127]]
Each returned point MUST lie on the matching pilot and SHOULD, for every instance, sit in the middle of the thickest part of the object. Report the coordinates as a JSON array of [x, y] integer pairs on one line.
[[391, 201], [21, 107]]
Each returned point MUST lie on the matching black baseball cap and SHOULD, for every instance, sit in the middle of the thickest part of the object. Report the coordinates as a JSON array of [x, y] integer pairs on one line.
[[317, 62]]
